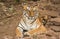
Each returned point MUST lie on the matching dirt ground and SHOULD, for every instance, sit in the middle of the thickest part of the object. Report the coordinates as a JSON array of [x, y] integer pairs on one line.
[[10, 14]]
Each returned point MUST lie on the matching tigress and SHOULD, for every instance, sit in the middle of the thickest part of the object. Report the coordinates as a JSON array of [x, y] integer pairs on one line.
[[30, 23]]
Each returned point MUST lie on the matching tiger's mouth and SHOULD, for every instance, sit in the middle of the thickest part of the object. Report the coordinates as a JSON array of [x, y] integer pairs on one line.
[[31, 18]]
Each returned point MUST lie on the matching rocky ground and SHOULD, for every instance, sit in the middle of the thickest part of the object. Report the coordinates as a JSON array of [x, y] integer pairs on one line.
[[10, 14]]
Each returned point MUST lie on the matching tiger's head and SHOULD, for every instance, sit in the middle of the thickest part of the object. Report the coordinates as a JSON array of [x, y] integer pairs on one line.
[[30, 13]]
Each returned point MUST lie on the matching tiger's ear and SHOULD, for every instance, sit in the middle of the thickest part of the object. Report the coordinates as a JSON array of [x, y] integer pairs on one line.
[[24, 6], [35, 8]]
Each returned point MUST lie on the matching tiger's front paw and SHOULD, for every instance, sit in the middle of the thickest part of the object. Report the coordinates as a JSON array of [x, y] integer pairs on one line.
[[26, 34]]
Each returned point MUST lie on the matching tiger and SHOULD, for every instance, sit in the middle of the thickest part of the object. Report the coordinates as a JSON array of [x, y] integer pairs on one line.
[[30, 23]]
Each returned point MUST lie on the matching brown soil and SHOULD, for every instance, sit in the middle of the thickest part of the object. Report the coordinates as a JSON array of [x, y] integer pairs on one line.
[[10, 15]]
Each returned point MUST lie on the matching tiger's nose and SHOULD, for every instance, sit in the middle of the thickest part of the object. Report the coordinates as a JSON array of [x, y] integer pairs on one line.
[[31, 14]]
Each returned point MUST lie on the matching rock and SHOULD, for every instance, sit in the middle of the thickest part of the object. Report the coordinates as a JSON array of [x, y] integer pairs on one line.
[[42, 37], [27, 38], [55, 19], [51, 34], [55, 28], [55, 1]]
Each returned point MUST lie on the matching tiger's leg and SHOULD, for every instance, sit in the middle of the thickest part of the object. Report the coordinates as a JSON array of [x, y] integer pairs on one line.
[[19, 32], [39, 30]]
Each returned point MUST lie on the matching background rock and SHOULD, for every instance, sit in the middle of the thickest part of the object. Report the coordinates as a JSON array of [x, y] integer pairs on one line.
[[10, 15]]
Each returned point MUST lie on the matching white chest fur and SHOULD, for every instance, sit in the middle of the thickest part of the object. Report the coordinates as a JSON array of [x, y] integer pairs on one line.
[[28, 26]]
